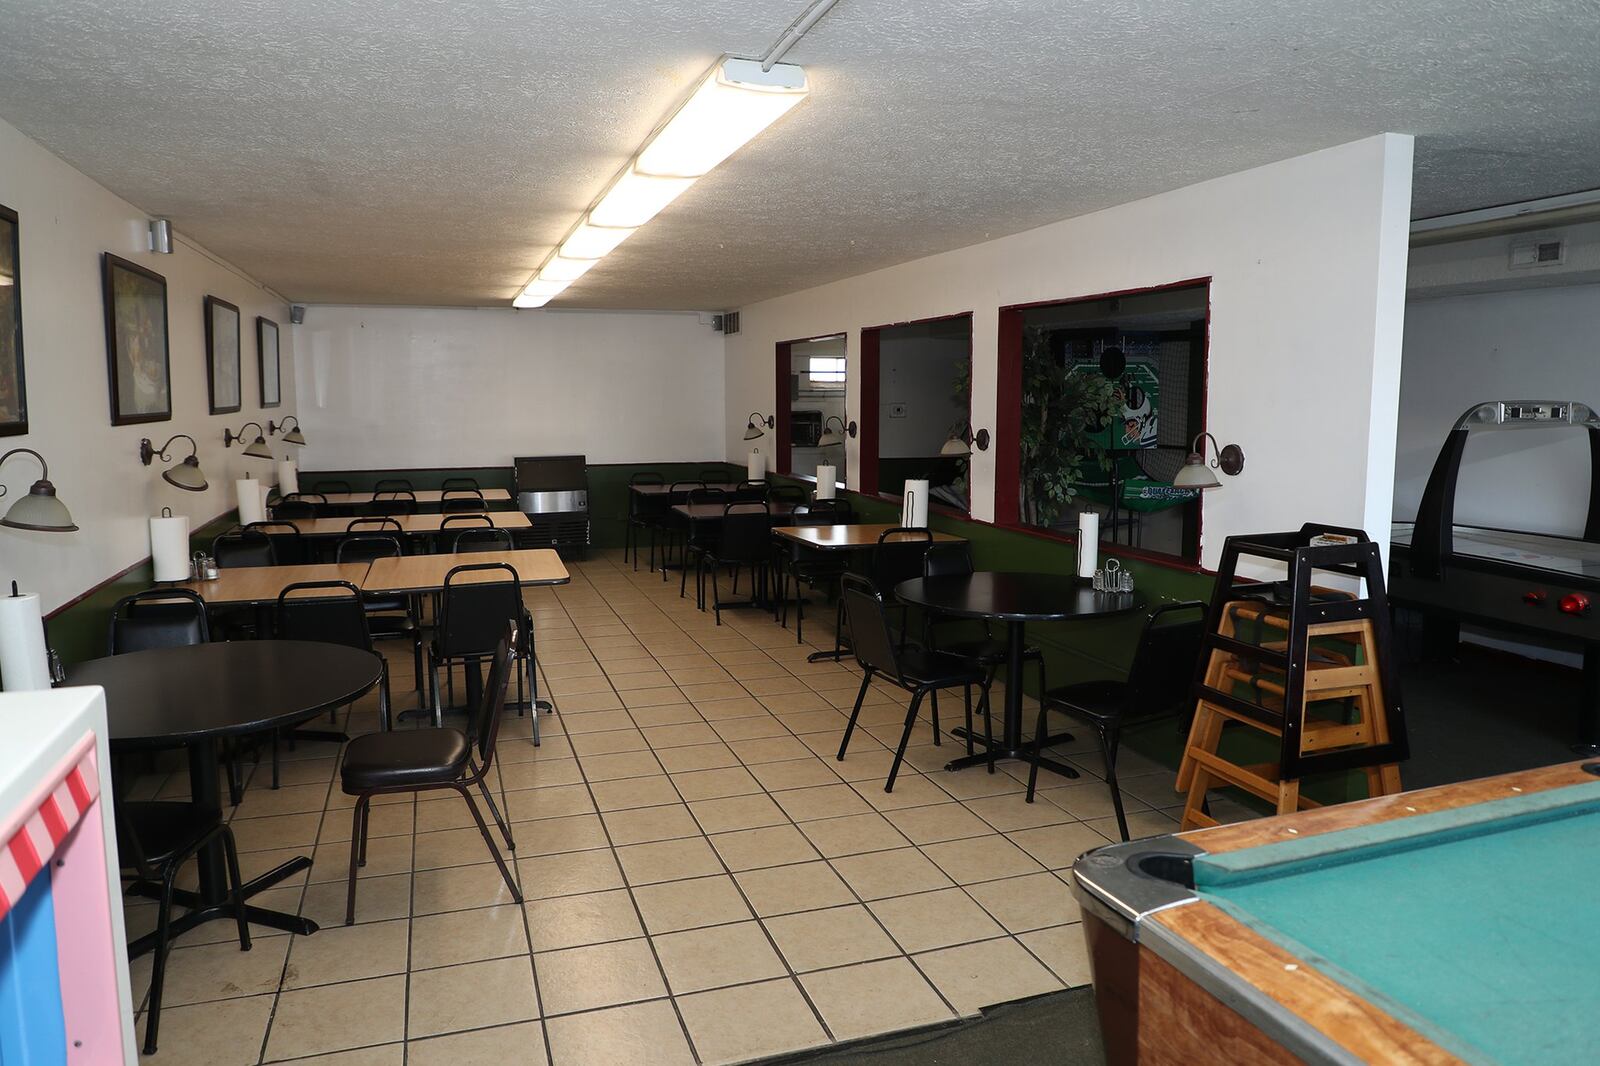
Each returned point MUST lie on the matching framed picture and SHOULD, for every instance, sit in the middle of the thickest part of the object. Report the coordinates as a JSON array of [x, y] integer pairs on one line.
[[13, 388], [222, 356], [267, 349], [136, 343]]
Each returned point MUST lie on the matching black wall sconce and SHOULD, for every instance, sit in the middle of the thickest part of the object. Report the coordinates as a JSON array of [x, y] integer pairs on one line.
[[1195, 473], [186, 475], [257, 449], [832, 438], [962, 440], [290, 436], [39, 509], [753, 428]]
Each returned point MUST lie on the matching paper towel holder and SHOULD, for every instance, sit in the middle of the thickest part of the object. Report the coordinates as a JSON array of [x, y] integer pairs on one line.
[[290, 436], [257, 449], [187, 474], [752, 428], [39, 509], [832, 438]]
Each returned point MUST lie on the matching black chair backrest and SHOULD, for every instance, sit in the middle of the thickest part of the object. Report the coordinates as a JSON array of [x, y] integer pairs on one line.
[[393, 484], [244, 547], [157, 618], [1163, 663], [752, 491], [331, 486], [479, 519], [482, 540], [702, 494], [293, 509], [806, 515], [843, 513], [365, 547], [393, 502], [870, 638], [897, 557], [646, 477], [458, 500], [712, 475], [474, 612], [491, 708], [685, 487], [791, 494], [638, 504], [470, 483], [309, 497], [374, 525], [746, 534], [287, 545], [948, 560], [334, 615]]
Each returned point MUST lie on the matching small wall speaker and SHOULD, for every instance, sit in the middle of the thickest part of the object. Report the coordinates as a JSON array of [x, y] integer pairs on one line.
[[161, 236], [297, 313]]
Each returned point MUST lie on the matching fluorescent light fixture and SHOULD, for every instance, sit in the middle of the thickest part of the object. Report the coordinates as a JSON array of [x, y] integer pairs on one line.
[[635, 199], [734, 102], [730, 105], [594, 242], [566, 270]]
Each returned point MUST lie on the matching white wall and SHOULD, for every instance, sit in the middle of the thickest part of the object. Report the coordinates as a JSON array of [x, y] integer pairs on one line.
[[66, 222], [1307, 259], [919, 373], [386, 387], [1535, 344]]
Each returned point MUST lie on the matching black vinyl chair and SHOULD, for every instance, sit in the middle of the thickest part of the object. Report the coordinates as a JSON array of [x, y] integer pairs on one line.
[[473, 614], [421, 760], [288, 546], [793, 495], [481, 540], [292, 508], [699, 537], [752, 492], [331, 612], [334, 485], [643, 514], [743, 541], [477, 518], [807, 568], [154, 841], [1157, 684], [667, 523], [393, 502], [462, 501], [388, 617], [896, 557], [243, 547], [468, 483], [921, 673], [393, 484], [380, 524]]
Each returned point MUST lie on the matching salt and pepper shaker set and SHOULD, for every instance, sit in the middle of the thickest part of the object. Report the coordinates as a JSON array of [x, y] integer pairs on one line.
[[204, 568], [1112, 578]]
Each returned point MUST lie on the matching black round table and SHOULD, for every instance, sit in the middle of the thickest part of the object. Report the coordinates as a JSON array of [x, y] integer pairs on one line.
[[193, 696], [1015, 599]]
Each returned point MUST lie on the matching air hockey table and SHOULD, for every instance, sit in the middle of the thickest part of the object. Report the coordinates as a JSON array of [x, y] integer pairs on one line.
[[1505, 579]]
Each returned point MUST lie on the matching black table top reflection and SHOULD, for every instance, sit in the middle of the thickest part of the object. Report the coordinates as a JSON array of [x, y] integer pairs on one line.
[[1014, 597], [171, 696]]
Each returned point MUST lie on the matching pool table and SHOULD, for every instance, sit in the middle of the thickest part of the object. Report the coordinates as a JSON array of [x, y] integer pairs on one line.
[[1449, 924]]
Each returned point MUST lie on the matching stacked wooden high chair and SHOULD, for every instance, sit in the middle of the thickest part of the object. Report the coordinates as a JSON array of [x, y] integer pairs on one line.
[[1303, 667]]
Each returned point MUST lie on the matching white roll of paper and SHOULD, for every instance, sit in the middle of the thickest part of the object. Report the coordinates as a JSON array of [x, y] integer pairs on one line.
[[169, 547], [827, 482], [757, 470], [288, 477], [914, 507], [1088, 543], [24, 663], [252, 502]]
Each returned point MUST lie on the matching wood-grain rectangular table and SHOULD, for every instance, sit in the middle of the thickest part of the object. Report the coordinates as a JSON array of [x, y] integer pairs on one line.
[[262, 584], [409, 523], [426, 573]]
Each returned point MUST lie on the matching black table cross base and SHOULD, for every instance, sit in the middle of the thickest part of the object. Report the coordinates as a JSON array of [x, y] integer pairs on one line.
[[200, 912]]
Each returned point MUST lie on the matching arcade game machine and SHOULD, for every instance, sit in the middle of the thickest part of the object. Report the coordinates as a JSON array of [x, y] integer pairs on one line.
[[1500, 578], [64, 989]]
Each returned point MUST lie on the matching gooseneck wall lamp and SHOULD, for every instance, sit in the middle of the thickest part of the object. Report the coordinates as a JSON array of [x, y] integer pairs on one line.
[[754, 427], [184, 475], [832, 438], [1197, 475], [962, 440], [290, 436], [39, 509], [256, 449]]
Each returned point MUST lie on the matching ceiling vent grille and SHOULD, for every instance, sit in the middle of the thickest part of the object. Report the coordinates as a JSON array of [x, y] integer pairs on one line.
[[727, 322], [1533, 254]]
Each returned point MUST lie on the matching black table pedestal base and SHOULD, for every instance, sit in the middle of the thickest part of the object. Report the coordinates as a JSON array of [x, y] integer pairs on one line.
[[201, 912], [1001, 751]]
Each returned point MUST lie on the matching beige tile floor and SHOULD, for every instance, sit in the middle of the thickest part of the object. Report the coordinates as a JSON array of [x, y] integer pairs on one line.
[[703, 881]]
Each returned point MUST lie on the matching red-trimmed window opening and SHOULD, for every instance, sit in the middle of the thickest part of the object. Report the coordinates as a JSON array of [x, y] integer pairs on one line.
[[812, 380]]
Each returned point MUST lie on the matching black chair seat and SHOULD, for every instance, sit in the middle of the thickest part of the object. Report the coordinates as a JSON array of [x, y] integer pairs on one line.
[[939, 669], [403, 758], [377, 604], [163, 829], [990, 652], [1096, 700], [391, 625]]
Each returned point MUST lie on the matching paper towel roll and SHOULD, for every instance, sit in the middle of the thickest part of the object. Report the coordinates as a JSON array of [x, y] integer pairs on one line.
[[1088, 543], [827, 482], [288, 477], [24, 664], [252, 504], [169, 548], [758, 467], [914, 507]]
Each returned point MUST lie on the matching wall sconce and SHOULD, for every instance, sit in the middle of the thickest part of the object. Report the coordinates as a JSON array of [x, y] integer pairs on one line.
[[39, 509], [257, 448], [293, 436], [753, 429], [1194, 475], [962, 438], [832, 438], [186, 475]]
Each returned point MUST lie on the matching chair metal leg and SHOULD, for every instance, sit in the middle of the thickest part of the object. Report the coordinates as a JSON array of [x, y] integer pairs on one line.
[[966, 696], [355, 852], [1109, 739], [850, 726], [933, 700], [516, 893], [366, 832], [158, 968], [276, 736], [905, 738], [383, 698], [987, 708], [438, 708], [494, 809], [716, 591], [1036, 751]]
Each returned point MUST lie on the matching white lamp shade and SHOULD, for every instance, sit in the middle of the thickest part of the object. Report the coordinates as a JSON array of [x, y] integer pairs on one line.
[[735, 102], [1195, 475], [565, 270], [635, 199], [593, 242]]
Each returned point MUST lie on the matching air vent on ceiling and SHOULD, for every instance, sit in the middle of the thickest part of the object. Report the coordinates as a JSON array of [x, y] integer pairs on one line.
[[1531, 254], [727, 322]]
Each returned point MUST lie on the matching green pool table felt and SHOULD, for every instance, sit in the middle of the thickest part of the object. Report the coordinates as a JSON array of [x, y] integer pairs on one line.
[[1474, 926]]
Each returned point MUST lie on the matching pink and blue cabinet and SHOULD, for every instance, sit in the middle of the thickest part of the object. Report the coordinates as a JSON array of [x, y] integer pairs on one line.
[[64, 991]]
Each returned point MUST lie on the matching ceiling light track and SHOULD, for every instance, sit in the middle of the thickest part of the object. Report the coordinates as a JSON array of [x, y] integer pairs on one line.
[[797, 29]]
